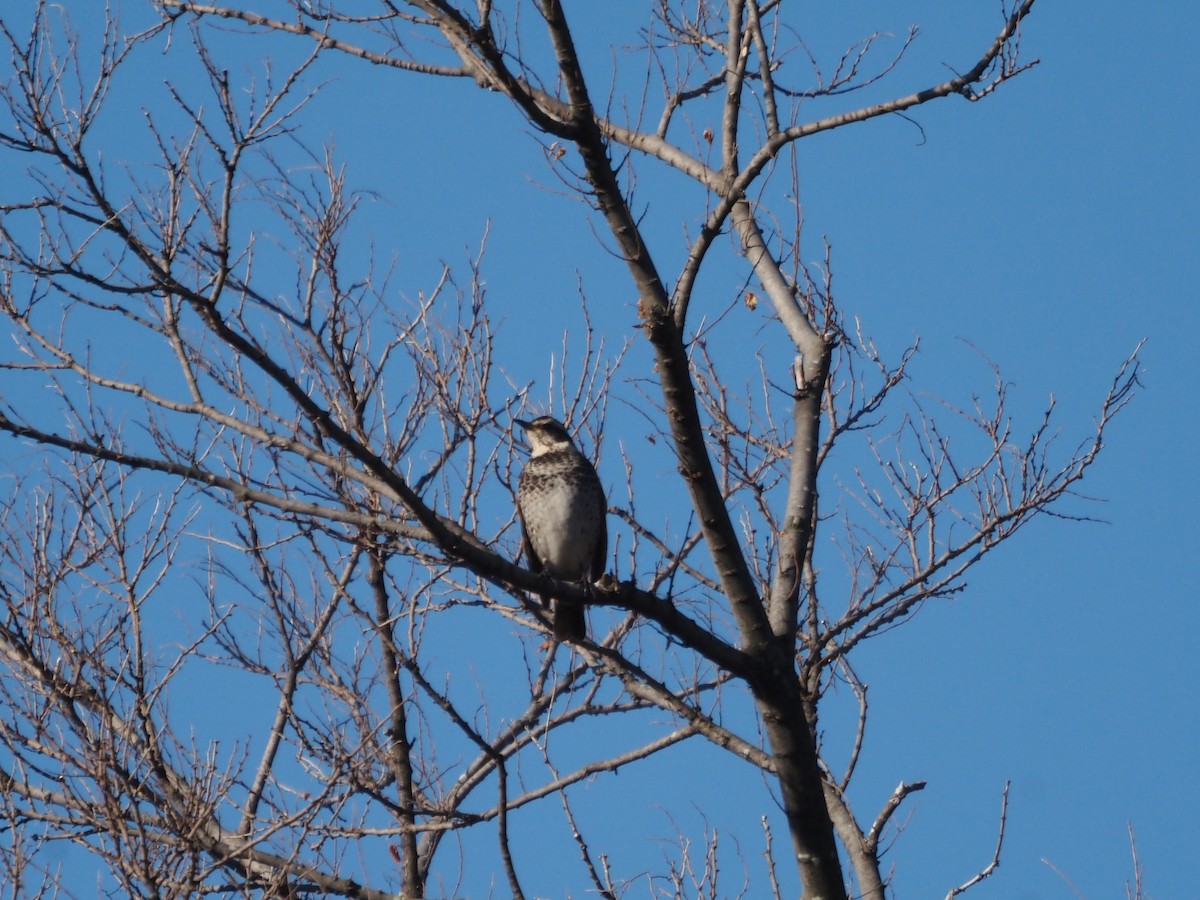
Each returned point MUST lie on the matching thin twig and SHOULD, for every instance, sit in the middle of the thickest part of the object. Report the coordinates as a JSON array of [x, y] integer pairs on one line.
[[995, 863]]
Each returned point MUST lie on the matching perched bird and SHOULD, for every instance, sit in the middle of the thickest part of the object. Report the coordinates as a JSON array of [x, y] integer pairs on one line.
[[562, 509]]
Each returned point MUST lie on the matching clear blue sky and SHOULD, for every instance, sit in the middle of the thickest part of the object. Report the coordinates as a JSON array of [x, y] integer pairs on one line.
[[1052, 226]]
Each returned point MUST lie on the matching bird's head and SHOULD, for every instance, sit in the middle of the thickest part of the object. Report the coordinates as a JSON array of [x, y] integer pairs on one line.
[[545, 434]]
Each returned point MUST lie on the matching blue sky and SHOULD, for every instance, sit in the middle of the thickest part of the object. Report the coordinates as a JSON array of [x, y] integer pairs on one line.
[[1051, 228]]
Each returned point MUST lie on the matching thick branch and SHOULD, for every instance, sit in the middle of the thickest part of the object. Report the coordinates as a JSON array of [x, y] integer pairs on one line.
[[673, 368], [399, 749]]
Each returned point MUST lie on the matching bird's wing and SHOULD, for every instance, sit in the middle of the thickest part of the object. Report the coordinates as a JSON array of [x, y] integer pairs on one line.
[[532, 562], [600, 557]]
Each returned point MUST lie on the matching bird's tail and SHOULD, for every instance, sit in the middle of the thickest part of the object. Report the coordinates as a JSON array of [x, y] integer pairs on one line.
[[569, 621]]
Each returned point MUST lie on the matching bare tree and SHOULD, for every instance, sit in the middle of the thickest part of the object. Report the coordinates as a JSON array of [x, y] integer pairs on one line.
[[342, 458]]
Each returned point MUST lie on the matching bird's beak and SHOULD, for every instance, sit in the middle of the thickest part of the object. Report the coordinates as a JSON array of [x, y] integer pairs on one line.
[[522, 423]]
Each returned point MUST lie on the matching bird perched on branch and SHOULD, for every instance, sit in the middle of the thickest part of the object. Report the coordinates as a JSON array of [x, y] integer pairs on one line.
[[562, 509]]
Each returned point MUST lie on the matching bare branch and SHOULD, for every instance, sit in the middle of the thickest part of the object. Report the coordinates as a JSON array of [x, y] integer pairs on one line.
[[268, 474], [991, 867]]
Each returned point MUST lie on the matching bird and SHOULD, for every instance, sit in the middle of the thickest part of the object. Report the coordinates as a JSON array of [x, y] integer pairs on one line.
[[561, 506]]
